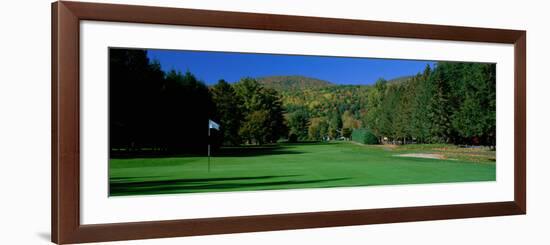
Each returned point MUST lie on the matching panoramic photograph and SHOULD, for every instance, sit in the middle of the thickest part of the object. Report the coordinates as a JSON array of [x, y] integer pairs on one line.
[[201, 121]]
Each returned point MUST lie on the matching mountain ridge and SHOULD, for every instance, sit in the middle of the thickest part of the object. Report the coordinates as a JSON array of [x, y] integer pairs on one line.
[[300, 82], [293, 82], [399, 80]]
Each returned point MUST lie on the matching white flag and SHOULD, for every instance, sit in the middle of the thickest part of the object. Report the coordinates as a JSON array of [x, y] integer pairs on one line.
[[214, 125]]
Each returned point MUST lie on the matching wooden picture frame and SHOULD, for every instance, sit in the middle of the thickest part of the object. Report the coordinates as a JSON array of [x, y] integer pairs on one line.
[[65, 171]]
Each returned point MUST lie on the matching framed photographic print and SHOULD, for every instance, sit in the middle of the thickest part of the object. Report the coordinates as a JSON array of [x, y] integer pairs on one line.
[[177, 122]]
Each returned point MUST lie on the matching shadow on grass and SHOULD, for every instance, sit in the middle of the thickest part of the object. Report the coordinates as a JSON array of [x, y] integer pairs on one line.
[[306, 143], [128, 180], [252, 151], [206, 185], [240, 151]]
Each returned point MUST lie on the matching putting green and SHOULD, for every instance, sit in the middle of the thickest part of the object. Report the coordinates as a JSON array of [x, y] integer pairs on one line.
[[287, 166]]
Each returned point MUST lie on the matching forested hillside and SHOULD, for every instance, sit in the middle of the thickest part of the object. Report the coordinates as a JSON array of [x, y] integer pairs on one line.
[[454, 102], [290, 83], [317, 109]]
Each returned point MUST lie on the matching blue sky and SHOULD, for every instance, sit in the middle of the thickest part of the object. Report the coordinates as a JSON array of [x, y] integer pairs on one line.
[[213, 66]]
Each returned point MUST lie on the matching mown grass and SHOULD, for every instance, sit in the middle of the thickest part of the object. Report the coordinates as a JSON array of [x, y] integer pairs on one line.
[[290, 166]]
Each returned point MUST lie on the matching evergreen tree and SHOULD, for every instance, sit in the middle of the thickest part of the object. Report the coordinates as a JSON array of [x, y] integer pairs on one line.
[[439, 107], [420, 122], [373, 118], [184, 127]]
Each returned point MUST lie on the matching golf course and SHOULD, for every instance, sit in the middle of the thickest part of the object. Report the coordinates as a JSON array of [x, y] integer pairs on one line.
[[300, 165], [249, 122]]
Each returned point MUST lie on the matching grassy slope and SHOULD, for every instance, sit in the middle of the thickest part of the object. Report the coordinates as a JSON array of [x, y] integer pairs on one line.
[[288, 167]]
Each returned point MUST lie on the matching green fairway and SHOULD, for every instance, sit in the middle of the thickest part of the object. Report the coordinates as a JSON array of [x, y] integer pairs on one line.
[[289, 166]]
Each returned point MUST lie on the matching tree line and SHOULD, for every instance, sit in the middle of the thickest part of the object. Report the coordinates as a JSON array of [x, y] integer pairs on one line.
[[455, 102], [157, 111], [168, 112], [249, 113], [150, 109]]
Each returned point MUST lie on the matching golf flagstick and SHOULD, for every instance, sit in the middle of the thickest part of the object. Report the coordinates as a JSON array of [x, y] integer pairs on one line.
[[208, 147], [214, 125]]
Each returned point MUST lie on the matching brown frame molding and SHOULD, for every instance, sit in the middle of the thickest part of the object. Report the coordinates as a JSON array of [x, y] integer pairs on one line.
[[66, 17]]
